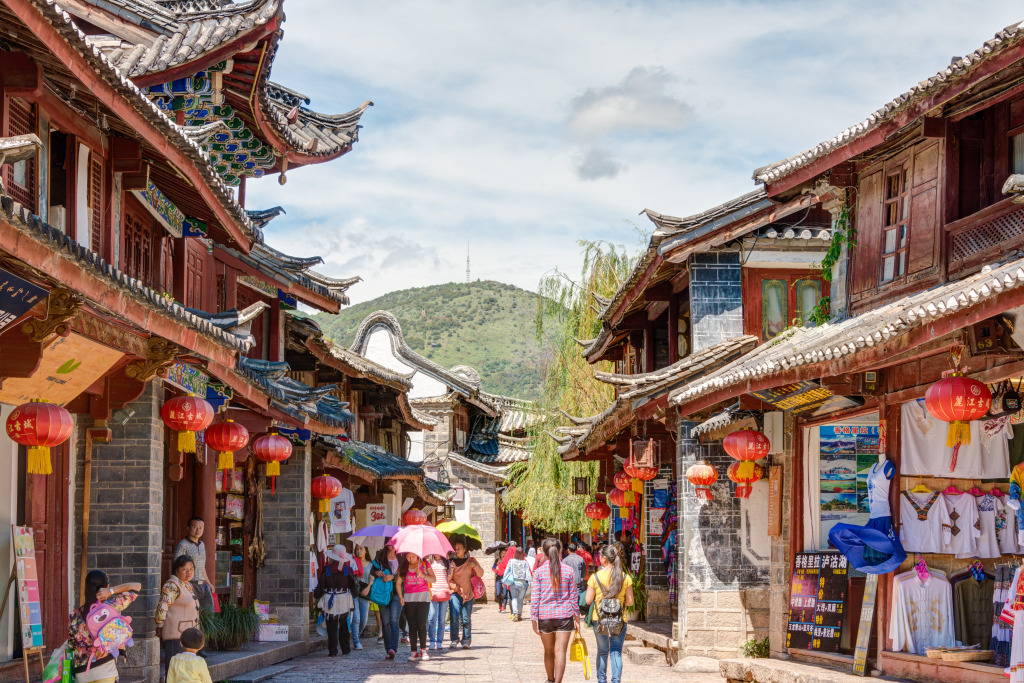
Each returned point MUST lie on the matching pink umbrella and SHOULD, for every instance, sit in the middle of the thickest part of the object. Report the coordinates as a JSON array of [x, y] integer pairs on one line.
[[422, 541]]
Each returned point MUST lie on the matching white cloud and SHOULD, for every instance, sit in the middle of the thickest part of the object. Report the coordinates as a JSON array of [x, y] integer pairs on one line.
[[509, 125]]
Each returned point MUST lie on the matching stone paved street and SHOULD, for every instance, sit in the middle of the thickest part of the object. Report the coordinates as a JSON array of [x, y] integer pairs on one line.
[[502, 651]]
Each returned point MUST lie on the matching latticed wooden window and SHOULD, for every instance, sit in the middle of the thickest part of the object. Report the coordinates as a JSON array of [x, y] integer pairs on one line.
[[194, 268], [167, 264], [20, 178], [96, 203], [138, 246], [896, 211]]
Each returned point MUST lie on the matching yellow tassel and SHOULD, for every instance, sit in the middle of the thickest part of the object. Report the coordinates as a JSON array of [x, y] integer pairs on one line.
[[39, 460], [187, 442], [959, 432], [226, 460], [628, 498], [273, 469], [325, 505], [638, 485], [623, 513]]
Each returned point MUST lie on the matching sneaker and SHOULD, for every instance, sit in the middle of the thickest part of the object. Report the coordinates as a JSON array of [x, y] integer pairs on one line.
[[404, 640], [380, 639], [424, 656], [358, 646], [415, 656], [465, 646], [390, 654]]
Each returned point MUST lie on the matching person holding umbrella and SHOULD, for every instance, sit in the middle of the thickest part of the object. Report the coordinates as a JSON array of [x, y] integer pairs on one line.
[[413, 589]]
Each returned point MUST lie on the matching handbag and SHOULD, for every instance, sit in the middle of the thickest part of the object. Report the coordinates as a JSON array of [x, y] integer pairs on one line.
[[478, 587], [578, 653]]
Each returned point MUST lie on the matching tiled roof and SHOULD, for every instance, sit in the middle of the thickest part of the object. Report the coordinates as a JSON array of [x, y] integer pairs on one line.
[[381, 464], [295, 269], [808, 346], [516, 414], [262, 217], [676, 226], [500, 450], [960, 68], [295, 398], [238, 323], [716, 421]]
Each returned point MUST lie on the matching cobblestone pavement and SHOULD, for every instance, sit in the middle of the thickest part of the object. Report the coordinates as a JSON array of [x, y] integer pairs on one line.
[[503, 651]]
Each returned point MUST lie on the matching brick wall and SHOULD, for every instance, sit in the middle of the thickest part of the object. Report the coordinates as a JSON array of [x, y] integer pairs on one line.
[[716, 298], [780, 575], [284, 579], [481, 491]]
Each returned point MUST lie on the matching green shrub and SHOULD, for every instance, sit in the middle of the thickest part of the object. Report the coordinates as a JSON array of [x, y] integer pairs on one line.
[[757, 648]]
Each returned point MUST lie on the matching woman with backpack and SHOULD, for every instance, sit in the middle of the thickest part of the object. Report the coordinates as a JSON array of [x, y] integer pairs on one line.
[[333, 594], [517, 578], [554, 607], [610, 590], [440, 594], [178, 609], [102, 667], [382, 592]]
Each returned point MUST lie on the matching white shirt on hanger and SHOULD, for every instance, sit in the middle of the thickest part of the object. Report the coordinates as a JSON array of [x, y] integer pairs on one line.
[[930, 534], [988, 542], [341, 512], [1007, 535], [964, 524], [924, 451], [923, 612]]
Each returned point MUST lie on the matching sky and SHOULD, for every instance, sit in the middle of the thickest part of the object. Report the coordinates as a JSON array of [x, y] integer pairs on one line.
[[514, 130]]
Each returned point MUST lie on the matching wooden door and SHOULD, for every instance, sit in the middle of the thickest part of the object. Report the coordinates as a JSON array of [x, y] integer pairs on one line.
[[178, 497], [46, 511]]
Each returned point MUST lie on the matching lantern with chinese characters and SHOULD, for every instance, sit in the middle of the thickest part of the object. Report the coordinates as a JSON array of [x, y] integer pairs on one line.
[[747, 445], [703, 476], [617, 497], [325, 487], [638, 472], [414, 516], [227, 437], [745, 473], [597, 510], [39, 425], [621, 480], [272, 449], [187, 415], [958, 400]]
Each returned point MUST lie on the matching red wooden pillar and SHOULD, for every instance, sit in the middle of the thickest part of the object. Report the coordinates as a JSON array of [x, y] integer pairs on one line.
[[230, 287], [180, 271], [46, 512]]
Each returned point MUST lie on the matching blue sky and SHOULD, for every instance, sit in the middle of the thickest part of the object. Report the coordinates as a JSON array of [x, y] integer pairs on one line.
[[519, 128]]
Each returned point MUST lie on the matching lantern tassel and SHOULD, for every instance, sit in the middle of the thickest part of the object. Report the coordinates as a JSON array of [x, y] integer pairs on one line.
[[187, 442], [273, 485], [226, 460], [704, 493], [273, 469], [325, 505], [959, 433], [39, 460]]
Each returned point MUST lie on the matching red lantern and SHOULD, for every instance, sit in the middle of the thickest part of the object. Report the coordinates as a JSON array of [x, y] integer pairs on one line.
[[187, 415], [324, 488], [747, 444], [597, 510], [637, 472], [39, 425], [227, 437], [621, 480], [272, 449], [745, 473], [617, 497], [703, 476], [414, 516], [958, 400]]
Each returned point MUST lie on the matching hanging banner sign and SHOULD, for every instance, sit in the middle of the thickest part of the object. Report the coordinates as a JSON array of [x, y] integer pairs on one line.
[[189, 378], [17, 297], [806, 398], [163, 209], [376, 513], [69, 365], [28, 587]]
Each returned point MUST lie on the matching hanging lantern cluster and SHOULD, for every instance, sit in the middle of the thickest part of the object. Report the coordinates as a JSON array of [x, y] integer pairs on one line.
[[187, 415], [272, 449], [703, 476], [958, 400], [324, 488], [623, 499], [637, 472], [745, 473], [40, 426], [414, 516], [227, 437], [746, 446], [622, 480]]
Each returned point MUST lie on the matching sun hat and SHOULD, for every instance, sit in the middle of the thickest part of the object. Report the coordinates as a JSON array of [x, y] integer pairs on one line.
[[337, 553]]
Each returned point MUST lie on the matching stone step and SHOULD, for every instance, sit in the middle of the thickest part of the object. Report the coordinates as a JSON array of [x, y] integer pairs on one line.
[[639, 655], [260, 675]]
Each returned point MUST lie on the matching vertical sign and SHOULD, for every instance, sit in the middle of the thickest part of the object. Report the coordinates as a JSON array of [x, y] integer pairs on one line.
[[867, 613], [817, 602], [28, 588], [846, 454], [775, 500]]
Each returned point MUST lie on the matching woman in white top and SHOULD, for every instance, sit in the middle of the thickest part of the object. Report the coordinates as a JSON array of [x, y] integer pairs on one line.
[[517, 577]]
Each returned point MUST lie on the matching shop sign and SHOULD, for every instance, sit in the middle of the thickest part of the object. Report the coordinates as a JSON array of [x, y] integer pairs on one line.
[[259, 285], [806, 398], [163, 209], [817, 599], [654, 525], [376, 513], [68, 366], [17, 297], [28, 588], [775, 500], [189, 378]]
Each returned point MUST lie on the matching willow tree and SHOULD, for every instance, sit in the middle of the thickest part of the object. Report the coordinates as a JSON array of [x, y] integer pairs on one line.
[[541, 489]]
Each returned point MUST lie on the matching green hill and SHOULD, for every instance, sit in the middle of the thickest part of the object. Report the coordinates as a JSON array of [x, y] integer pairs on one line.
[[486, 325]]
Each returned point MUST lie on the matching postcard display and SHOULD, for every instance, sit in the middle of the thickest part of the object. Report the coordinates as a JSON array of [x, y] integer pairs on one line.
[[230, 558]]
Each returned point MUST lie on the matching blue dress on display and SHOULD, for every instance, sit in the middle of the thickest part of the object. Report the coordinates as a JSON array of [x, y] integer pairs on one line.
[[873, 548]]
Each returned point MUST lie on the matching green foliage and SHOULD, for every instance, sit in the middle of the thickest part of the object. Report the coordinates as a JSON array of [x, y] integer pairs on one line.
[[541, 489], [484, 324], [844, 233], [822, 311], [229, 629], [758, 648]]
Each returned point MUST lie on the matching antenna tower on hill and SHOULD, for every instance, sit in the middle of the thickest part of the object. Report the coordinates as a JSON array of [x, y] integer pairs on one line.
[[467, 262]]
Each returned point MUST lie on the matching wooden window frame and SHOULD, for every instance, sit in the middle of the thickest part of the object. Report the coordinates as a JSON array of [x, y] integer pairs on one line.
[[753, 298], [26, 195], [765, 282], [895, 221]]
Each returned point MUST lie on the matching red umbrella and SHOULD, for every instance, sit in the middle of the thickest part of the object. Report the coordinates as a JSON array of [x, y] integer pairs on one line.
[[422, 541]]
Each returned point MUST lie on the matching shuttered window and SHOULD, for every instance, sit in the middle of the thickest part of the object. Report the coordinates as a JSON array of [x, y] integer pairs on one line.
[[96, 203], [20, 178]]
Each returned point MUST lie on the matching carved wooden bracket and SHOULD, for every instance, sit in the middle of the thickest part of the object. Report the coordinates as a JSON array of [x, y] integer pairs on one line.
[[159, 354], [61, 306]]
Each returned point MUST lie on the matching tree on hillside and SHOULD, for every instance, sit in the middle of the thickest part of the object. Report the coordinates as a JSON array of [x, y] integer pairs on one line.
[[541, 489]]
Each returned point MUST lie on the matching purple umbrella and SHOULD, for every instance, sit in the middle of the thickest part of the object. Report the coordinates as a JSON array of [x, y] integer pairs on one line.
[[374, 537]]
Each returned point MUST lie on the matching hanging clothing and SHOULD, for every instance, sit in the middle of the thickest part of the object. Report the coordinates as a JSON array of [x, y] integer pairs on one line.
[[921, 614], [340, 512], [924, 451], [973, 611], [987, 541], [1006, 528], [872, 548], [1002, 634], [1017, 651], [964, 525], [924, 522]]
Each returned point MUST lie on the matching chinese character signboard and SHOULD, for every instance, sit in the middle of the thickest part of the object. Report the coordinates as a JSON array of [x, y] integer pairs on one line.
[[817, 602], [376, 513], [805, 398], [28, 588], [17, 297]]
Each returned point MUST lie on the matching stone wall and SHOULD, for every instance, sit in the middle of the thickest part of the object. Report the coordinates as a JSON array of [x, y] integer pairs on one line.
[[126, 504], [780, 574], [482, 496], [716, 298], [655, 576], [284, 579], [724, 559]]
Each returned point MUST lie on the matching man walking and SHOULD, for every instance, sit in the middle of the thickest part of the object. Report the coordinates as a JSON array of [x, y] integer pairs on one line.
[[579, 568], [193, 546]]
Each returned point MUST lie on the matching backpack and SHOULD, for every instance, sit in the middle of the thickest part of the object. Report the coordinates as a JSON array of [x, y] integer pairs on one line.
[[519, 571], [380, 590], [109, 630], [609, 620]]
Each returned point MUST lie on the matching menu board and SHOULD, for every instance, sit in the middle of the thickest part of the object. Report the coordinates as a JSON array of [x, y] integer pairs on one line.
[[817, 602], [28, 588]]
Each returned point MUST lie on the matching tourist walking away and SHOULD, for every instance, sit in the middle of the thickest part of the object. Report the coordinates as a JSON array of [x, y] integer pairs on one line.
[[610, 590], [382, 592], [517, 578], [360, 604], [460, 607], [193, 546], [579, 567], [414, 579], [554, 607], [501, 594], [102, 666], [187, 666], [440, 594], [178, 608], [333, 593]]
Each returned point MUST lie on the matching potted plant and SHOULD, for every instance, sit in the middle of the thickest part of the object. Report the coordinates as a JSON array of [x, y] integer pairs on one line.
[[229, 629]]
